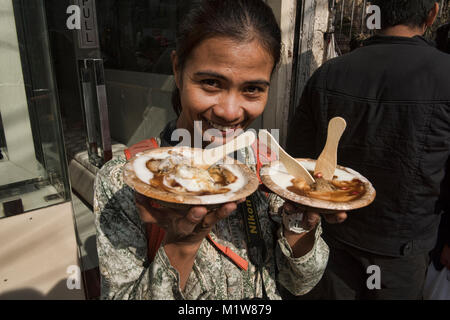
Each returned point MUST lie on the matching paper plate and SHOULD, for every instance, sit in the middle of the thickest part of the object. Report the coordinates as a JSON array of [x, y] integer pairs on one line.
[[246, 186], [275, 177]]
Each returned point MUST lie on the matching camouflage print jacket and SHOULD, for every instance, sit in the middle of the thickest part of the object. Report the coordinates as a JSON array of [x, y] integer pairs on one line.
[[126, 273]]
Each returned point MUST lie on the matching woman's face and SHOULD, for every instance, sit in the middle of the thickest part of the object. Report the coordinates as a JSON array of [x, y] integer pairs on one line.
[[225, 85]]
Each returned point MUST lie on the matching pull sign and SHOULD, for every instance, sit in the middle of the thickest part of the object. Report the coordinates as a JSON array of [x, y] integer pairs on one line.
[[83, 18]]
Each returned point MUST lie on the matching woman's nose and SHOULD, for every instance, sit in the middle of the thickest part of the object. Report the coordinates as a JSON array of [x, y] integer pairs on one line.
[[229, 108]]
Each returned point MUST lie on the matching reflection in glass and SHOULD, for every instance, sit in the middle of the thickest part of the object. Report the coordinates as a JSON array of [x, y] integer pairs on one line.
[[33, 171], [139, 35]]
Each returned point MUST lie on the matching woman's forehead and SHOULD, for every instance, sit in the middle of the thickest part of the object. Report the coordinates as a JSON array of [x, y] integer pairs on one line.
[[227, 55]]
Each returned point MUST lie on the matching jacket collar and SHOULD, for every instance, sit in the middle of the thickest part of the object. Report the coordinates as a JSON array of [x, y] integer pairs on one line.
[[380, 39]]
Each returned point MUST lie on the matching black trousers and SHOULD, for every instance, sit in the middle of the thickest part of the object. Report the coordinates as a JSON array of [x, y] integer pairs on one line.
[[349, 271]]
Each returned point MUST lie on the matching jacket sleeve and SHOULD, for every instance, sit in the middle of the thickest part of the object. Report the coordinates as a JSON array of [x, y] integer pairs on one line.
[[297, 275], [300, 275], [122, 246]]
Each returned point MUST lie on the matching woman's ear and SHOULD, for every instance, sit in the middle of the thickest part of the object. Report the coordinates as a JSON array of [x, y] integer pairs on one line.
[[175, 68]]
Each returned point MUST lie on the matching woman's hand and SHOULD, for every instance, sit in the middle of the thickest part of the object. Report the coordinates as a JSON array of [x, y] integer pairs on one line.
[[302, 243], [334, 218], [311, 219], [186, 228]]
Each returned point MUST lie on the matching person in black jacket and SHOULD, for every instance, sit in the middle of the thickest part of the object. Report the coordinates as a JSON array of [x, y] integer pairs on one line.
[[440, 255], [394, 93]]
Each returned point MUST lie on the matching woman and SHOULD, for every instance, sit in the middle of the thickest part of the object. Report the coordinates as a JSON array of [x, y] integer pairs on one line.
[[226, 53]]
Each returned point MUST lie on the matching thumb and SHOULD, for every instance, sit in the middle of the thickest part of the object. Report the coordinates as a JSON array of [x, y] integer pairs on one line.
[[221, 213]]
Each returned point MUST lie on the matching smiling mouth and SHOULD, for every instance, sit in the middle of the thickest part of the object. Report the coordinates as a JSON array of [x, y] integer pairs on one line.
[[225, 130]]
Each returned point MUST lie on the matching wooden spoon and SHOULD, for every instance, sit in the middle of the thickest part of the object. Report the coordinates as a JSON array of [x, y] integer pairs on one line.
[[293, 167], [327, 161], [213, 155]]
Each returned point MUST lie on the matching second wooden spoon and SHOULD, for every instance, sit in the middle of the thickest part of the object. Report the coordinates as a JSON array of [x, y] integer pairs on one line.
[[327, 161]]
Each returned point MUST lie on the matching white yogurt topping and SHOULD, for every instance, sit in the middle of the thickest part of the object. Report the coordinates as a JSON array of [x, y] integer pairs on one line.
[[141, 170], [184, 176], [191, 179], [140, 167], [281, 177]]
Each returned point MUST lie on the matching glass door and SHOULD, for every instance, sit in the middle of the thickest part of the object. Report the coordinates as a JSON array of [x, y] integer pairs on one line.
[[33, 169], [113, 71], [136, 38]]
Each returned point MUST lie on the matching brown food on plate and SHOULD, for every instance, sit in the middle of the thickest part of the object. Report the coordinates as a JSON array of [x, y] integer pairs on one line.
[[174, 177], [180, 177], [330, 190]]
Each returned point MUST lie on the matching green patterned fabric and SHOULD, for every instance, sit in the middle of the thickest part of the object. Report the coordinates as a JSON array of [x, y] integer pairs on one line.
[[122, 250]]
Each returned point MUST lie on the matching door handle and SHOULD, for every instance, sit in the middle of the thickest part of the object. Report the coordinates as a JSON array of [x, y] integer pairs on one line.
[[95, 109]]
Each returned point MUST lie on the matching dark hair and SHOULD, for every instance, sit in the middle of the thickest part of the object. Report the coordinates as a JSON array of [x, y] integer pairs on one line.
[[242, 20], [412, 13]]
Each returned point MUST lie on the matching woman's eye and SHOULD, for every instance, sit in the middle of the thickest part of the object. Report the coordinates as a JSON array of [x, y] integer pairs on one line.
[[210, 83], [253, 90]]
